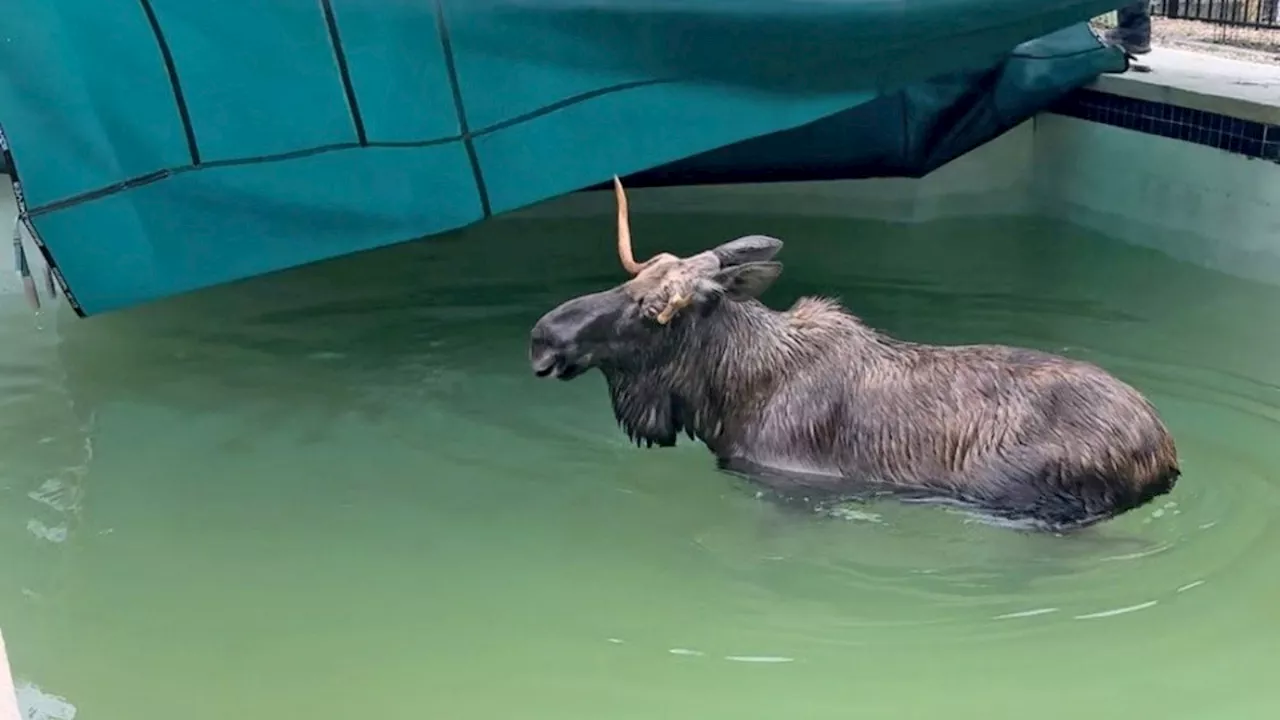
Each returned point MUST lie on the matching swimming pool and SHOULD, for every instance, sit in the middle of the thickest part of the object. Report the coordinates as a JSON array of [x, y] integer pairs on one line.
[[339, 491]]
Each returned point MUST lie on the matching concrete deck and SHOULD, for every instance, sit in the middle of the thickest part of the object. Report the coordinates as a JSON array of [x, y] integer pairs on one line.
[[1250, 91]]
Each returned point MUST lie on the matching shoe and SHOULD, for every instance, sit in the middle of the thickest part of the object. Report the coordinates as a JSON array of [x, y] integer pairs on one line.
[[1116, 36]]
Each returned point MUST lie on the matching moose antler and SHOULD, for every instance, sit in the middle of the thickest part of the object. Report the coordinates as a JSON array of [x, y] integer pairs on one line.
[[624, 234], [624, 230]]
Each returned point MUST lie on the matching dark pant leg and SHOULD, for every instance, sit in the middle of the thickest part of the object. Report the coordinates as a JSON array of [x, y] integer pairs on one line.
[[1133, 22]]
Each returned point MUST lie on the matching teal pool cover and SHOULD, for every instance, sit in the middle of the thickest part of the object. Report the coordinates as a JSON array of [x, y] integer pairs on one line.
[[167, 145]]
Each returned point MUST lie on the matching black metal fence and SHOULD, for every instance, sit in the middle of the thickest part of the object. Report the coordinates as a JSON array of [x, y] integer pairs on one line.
[[1236, 13]]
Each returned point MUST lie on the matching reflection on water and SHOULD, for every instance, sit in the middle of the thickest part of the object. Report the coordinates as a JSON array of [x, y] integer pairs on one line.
[[38, 705], [339, 492]]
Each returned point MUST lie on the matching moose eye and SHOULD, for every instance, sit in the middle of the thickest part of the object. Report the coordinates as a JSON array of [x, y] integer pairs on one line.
[[650, 309]]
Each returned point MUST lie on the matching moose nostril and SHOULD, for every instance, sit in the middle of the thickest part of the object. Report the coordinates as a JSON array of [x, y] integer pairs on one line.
[[544, 362]]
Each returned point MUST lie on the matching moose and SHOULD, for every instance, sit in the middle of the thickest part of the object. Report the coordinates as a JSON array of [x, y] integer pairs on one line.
[[812, 401]]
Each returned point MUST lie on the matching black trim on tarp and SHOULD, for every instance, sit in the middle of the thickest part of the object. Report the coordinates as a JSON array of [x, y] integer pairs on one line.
[[25, 218], [175, 85], [340, 56], [446, 44]]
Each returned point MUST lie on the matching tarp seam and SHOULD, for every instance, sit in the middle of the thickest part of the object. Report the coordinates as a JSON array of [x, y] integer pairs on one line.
[[175, 85], [158, 175], [340, 57], [451, 69]]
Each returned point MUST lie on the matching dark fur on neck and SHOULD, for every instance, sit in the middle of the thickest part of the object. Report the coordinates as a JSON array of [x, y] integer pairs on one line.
[[730, 351]]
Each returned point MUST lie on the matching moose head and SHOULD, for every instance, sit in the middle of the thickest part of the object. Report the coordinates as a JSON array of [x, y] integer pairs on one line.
[[652, 312]]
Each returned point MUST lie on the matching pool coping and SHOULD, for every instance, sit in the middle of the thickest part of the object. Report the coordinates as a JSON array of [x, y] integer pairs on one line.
[[1231, 105], [1200, 81]]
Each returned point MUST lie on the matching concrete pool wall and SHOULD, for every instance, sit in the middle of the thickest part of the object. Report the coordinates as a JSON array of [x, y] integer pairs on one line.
[[1185, 159]]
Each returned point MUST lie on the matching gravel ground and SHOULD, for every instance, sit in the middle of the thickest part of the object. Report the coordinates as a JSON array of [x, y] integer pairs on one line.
[[1235, 43]]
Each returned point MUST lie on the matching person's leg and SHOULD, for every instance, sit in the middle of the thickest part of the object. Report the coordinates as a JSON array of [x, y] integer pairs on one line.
[[1133, 28]]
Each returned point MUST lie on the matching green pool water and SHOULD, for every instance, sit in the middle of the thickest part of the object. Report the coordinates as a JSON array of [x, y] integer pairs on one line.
[[340, 493]]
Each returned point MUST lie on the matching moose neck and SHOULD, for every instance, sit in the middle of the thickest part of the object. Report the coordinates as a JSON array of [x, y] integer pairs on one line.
[[719, 370]]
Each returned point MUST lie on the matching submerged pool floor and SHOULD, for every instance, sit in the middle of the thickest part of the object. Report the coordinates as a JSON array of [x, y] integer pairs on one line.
[[339, 492]]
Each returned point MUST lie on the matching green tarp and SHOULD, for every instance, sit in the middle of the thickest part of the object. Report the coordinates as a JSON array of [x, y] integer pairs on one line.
[[168, 145]]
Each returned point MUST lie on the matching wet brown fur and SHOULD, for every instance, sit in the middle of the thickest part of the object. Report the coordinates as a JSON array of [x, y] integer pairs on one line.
[[814, 399]]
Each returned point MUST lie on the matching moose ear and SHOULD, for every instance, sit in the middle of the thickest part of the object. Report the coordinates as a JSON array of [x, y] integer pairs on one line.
[[752, 248], [747, 280]]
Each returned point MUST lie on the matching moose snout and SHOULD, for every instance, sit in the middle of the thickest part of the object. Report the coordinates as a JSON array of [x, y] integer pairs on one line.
[[563, 342], [551, 354]]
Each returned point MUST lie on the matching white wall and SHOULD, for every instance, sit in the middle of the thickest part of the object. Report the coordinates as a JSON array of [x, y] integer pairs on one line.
[[1197, 203], [9, 280]]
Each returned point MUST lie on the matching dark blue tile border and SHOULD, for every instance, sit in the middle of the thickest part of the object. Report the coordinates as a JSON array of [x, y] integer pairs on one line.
[[1243, 137]]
